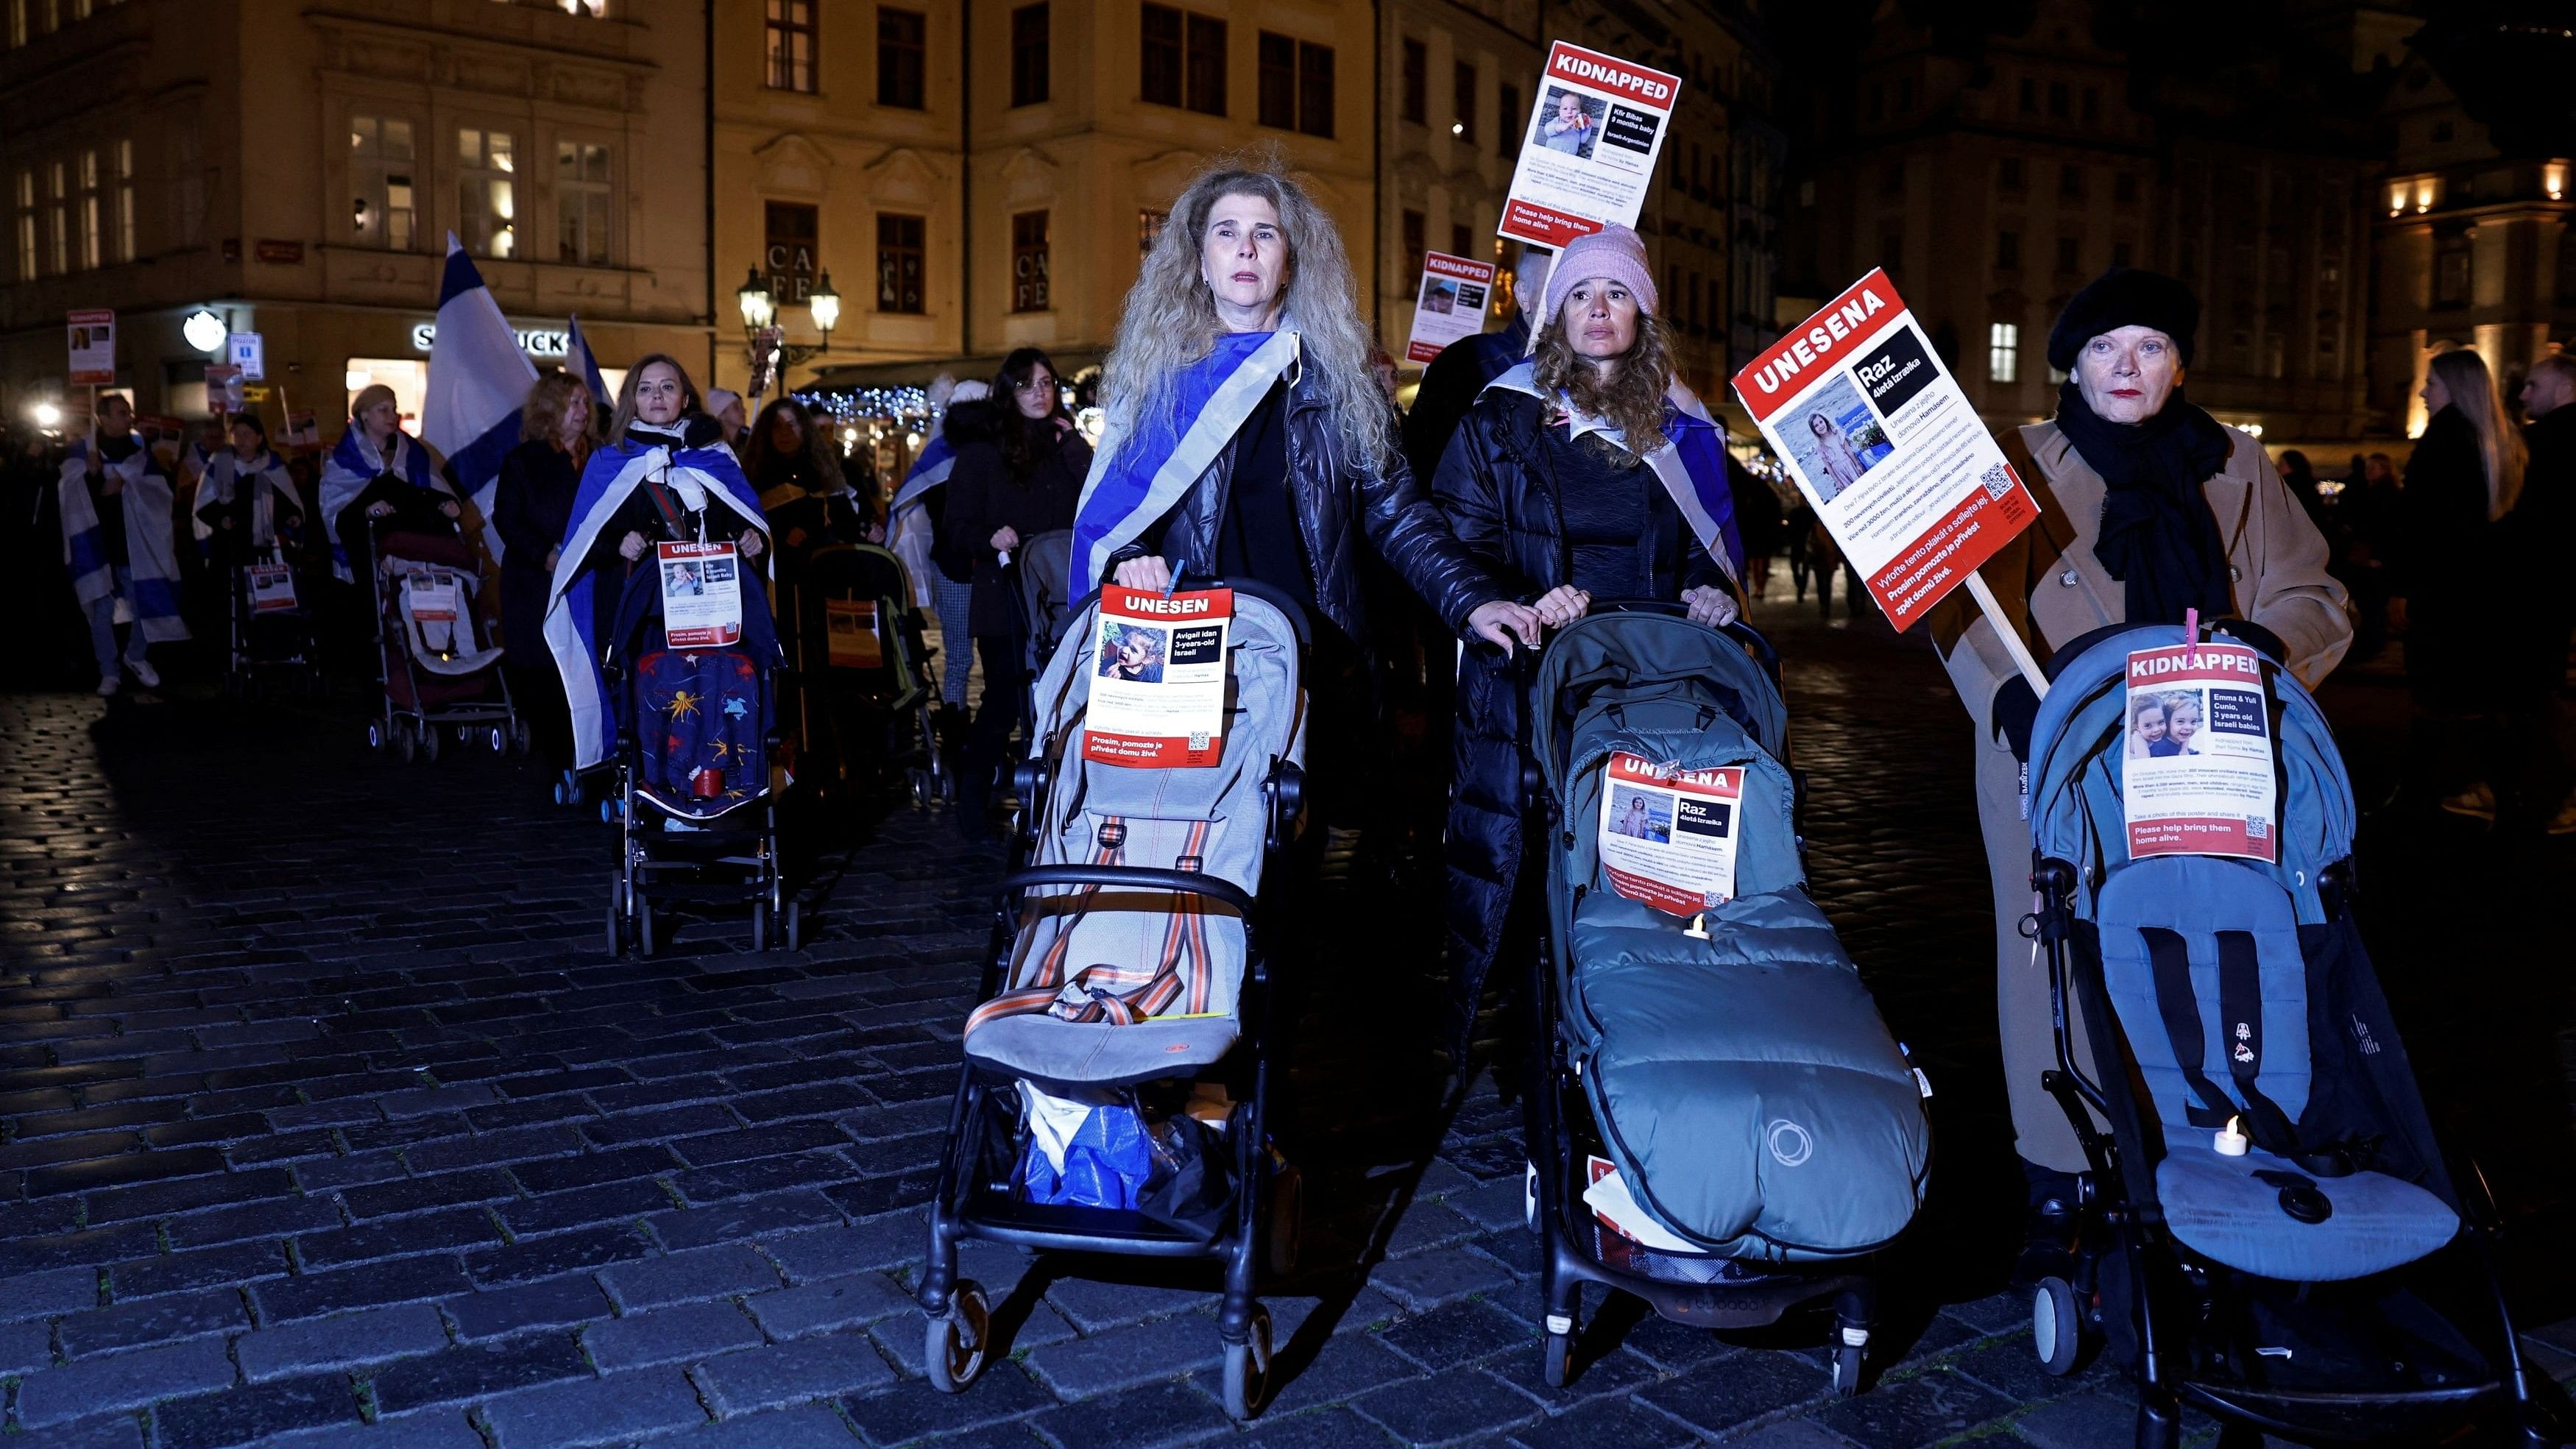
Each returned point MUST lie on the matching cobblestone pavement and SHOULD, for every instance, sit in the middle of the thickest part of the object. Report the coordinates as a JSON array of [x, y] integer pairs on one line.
[[328, 1121]]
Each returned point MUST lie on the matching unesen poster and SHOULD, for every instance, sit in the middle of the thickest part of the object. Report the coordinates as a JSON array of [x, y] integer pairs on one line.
[[1449, 305], [1887, 448], [1158, 679], [1590, 148]]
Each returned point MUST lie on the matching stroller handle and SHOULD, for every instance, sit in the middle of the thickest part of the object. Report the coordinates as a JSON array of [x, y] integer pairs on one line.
[[1737, 630], [1187, 882]]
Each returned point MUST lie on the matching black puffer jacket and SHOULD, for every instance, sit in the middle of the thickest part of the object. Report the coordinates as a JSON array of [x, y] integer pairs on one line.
[[1333, 493], [1498, 489], [983, 498]]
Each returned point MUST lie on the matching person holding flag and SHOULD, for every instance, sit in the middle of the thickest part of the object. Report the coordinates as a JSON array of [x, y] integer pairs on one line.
[[663, 476], [115, 501], [1588, 470], [1246, 439]]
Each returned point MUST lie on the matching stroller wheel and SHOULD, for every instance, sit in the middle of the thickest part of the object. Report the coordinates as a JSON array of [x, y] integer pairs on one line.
[[406, 741], [760, 925], [500, 739], [795, 925], [1560, 1358], [429, 743], [375, 734], [2055, 1326], [520, 738], [1847, 1369], [643, 927], [1247, 1367], [954, 1356]]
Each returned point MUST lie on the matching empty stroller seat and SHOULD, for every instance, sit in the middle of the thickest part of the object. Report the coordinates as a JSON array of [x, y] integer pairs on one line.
[[2203, 955], [1109, 986]]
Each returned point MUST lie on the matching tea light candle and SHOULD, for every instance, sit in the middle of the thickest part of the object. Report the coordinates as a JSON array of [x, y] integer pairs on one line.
[[2229, 1142]]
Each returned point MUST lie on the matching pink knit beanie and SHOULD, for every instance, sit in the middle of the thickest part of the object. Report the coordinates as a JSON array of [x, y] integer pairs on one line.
[[1614, 252]]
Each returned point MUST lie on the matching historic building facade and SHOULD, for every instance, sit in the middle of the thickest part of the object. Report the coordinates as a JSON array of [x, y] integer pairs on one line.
[[295, 171]]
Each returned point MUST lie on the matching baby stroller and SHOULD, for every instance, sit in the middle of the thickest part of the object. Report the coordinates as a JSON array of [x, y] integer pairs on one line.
[[862, 670], [1127, 972], [697, 815], [1717, 1084], [2269, 1230], [271, 625], [436, 666], [1044, 565]]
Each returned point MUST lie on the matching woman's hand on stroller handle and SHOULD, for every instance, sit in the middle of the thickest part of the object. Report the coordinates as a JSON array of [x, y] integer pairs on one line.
[[1711, 606], [1500, 621], [1561, 606]]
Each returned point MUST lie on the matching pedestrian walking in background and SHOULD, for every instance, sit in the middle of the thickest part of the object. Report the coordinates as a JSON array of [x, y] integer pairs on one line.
[[1019, 471], [1549, 487], [913, 521], [2545, 533], [115, 500], [531, 507], [2150, 508], [1758, 521], [2476, 697], [726, 407]]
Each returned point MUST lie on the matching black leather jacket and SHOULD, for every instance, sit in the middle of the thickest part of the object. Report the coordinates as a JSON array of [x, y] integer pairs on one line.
[[1333, 493]]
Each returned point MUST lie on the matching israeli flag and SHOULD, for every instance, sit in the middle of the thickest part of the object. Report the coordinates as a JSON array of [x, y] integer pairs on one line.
[[1692, 470], [1144, 465], [478, 379], [582, 363], [612, 476]]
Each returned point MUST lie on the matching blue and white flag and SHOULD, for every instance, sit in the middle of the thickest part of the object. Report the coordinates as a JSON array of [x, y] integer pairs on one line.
[[908, 528], [612, 476], [150, 552], [1693, 469], [227, 479], [1145, 464], [478, 379], [582, 363], [351, 466]]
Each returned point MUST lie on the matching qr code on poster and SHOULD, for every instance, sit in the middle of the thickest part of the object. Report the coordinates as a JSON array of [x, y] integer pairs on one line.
[[2257, 828], [1198, 741], [1998, 480]]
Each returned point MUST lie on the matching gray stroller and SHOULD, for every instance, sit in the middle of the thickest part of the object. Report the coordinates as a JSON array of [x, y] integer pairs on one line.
[[1127, 987]]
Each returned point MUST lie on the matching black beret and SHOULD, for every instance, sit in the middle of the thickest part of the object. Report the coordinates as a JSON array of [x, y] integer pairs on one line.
[[2124, 297]]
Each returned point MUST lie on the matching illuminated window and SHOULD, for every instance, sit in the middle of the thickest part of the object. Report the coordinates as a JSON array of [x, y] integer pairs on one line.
[[487, 205], [2003, 352], [790, 45], [581, 203], [383, 208]]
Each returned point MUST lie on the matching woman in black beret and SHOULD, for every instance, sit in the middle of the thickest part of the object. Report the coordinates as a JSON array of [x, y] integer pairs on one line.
[[2149, 507]]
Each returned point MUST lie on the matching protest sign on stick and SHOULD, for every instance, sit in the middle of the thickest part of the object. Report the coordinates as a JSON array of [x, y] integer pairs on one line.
[[1449, 304], [1891, 455], [1590, 147]]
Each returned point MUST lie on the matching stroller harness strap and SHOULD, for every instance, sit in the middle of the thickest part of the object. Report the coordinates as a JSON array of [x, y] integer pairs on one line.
[[1116, 994], [2240, 1003]]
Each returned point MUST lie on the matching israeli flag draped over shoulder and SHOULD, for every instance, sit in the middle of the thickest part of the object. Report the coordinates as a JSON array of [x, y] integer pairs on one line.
[[350, 468], [1693, 469], [226, 477], [910, 535], [150, 553], [478, 378], [1146, 463], [613, 475]]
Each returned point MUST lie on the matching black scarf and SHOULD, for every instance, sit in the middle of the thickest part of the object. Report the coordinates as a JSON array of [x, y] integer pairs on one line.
[[2158, 536]]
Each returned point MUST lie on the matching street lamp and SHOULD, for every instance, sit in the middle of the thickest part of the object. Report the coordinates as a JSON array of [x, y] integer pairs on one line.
[[825, 304], [758, 308]]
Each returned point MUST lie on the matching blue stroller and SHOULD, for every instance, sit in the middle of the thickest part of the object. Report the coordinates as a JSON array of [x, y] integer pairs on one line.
[[1730, 1074], [2319, 1271]]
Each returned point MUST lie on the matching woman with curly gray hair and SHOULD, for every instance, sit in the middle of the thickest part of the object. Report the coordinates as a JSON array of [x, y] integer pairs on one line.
[[1248, 440]]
